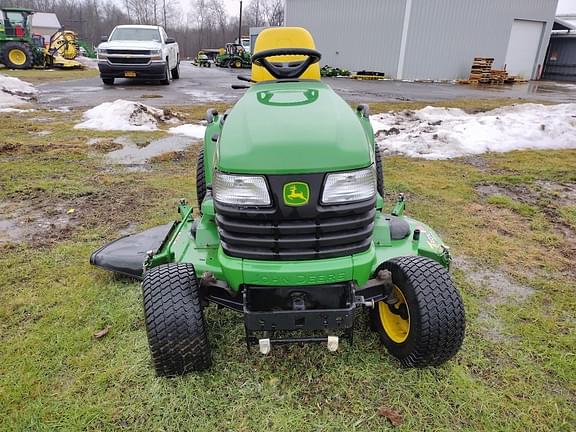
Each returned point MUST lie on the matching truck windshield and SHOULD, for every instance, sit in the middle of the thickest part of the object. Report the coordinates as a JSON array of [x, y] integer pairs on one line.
[[135, 34]]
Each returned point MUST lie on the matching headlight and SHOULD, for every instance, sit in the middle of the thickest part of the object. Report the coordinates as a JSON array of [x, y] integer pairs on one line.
[[240, 190], [156, 54], [349, 186], [102, 53]]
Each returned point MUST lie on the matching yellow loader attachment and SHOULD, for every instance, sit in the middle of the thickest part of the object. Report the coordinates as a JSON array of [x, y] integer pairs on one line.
[[63, 50]]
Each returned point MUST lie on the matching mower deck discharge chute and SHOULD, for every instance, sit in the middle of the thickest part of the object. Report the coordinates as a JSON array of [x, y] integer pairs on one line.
[[292, 232]]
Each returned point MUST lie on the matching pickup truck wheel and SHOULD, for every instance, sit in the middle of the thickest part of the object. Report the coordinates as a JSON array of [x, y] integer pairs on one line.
[[166, 80], [176, 71], [175, 320], [108, 81]]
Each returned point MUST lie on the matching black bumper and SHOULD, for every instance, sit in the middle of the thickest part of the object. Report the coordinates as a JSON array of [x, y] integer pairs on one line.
[[152, 71], [299, 308]]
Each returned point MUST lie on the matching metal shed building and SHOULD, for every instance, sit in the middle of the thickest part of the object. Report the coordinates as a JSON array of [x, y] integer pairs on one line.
[[561, 58], [428, 39]]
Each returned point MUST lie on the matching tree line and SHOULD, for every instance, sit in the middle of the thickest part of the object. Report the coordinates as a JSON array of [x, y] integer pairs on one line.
[[205, 25]]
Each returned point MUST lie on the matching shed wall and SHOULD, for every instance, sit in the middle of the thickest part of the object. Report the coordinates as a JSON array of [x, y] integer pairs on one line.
[[355, 35], [442, 36]]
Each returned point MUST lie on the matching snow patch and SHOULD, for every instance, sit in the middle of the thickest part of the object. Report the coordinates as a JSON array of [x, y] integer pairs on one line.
[[190, 130], [125, 115], [444, 133], [14, 92]]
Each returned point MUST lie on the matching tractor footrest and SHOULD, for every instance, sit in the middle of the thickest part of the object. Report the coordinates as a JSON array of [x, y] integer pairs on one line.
[[299, 308]]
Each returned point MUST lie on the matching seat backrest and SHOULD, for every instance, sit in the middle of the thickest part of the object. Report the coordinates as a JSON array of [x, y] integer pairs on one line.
[[284, 37]]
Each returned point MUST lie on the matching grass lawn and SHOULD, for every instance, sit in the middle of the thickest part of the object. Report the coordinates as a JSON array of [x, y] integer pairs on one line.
[[39, 76], [509, 218]]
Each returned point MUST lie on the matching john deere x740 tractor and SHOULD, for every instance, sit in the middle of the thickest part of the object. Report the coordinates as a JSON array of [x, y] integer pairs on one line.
[[292, 232]]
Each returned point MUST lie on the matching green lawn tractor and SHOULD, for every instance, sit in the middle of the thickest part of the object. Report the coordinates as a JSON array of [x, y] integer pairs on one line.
[[292, 232], [233, 56]]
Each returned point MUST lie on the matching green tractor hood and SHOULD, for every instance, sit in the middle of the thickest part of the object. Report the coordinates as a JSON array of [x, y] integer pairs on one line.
[[293, 127]]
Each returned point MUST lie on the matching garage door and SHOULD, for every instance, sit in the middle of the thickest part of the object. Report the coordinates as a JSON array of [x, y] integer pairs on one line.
[[523, 47]]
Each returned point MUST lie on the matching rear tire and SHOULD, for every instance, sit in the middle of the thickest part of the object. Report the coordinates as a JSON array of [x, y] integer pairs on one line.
[[175, 321], [108, 81], [200, 179], [429, 307], [17, 55]]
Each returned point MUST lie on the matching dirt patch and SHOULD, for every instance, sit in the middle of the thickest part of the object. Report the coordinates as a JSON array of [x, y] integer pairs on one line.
[[540, 192], [476, 161], [520, 193], [542, 196], [42, 221], [104, 145]]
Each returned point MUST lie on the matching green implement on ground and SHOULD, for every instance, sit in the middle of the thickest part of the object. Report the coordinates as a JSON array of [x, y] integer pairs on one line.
[[292, 232]]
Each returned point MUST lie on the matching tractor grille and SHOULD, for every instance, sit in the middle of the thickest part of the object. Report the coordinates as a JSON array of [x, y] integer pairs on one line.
[[129, 60], [295, 233]]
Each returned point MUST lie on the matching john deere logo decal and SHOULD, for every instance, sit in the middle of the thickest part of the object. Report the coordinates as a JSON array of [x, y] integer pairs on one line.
[[296, 194]]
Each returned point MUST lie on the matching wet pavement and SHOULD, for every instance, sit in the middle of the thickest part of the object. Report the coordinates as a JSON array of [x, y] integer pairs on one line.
[[204, 85]]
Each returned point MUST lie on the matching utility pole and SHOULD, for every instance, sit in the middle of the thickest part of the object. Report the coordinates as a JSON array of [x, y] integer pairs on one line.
[[164, 14], [240, 25]]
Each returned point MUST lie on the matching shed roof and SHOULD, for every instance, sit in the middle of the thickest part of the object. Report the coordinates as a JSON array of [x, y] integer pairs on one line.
[[44, 19]]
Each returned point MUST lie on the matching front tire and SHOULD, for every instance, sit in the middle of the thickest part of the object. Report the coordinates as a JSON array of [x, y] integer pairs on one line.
[[166, 80], [175, 320], [176, 71], [108, 81], [426, 326]]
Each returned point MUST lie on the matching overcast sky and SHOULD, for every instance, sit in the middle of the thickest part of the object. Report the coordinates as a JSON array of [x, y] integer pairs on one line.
[[567, 6]]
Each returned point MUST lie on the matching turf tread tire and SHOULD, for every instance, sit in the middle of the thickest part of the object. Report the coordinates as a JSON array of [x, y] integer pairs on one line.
[[436, 312], [175, 323], [200, 178], [379, 172]]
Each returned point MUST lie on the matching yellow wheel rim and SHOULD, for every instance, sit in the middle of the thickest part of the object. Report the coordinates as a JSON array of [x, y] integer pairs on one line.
[[238, 64], [17, 57], [396, 327]]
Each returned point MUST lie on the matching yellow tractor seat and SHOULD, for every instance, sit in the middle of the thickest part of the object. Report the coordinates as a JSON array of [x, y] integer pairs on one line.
[[284, 37]]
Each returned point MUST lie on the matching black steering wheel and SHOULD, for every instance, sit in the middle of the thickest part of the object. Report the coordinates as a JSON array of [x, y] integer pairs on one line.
[[286, 70]]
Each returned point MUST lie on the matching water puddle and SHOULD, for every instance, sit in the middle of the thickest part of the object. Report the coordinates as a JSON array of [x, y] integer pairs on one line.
[[133, 153]]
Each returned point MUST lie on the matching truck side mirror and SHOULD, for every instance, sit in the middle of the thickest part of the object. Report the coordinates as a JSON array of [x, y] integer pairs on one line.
[[170, 40], [103, 38]]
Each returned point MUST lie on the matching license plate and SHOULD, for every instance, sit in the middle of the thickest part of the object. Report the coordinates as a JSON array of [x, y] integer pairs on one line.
[[130, 74]]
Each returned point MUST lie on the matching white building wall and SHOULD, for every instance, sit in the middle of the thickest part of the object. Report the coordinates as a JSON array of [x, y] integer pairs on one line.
[[418, 39]]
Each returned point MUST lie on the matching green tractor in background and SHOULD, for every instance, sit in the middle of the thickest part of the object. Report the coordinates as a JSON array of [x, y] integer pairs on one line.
[[18, 49], [233, 56], [21, 49]]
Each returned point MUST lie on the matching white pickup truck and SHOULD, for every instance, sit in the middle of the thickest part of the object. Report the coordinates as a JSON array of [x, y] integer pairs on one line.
[[140, 52]]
